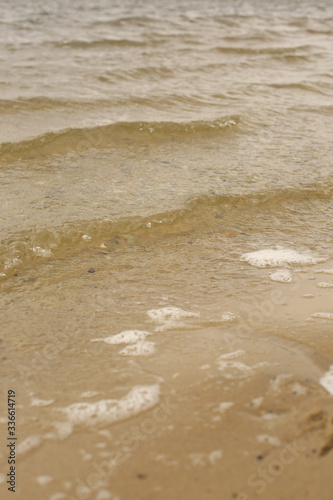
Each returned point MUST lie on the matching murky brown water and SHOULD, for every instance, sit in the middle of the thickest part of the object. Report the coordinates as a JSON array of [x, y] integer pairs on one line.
[[166, 176]]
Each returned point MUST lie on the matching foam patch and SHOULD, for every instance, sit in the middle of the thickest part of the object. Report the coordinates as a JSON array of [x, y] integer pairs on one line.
[[327, 381], [227, 317], [142, 348], [282, 276], [278, 257], [107, 411], [322, 315], [168, 317], [126, 337]]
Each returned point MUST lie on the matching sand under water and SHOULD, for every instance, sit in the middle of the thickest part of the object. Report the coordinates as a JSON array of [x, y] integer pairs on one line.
[[166, 254]]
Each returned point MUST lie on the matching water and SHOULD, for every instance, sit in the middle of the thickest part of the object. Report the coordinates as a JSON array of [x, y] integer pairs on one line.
[[166, 171]]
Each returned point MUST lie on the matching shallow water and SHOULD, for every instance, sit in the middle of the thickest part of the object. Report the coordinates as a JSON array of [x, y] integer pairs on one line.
[[165, 169]]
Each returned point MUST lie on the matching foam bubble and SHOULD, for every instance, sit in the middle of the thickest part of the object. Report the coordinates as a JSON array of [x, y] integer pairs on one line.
[[232, 355], [325, 285], [41, 402], [308, 296], [12, 263], [270, 416], [227, 317], [142, 348], [89, 394], [42, 252], [277, 257], [107, 411], [126, 337], [256, 402], [28, 444], [214, 456], [322, 315], [168, 317], [282, 276], [43, 480], [325, 271], [299, 389], [326, 381], [225, 406], [227, 364], [242, 367], [64, 429], [275, 384]]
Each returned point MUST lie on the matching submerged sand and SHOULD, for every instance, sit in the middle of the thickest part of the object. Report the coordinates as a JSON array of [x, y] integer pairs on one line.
[[241, 413]]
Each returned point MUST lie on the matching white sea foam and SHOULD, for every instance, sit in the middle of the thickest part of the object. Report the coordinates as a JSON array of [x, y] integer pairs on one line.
[[237, 365], [107, 411], [89, 394], [41, 402], [308, 296], [321, 315], [270, 416], [28, 444], [326, 381], [64, 430], [325, 285], [226, 363], [299, 389], [232, 355], [126, 337], [42, 252], [214, 456], [279, 256], [168, 317], [256, 402], [43, 480], [227, 317], [12, 263], [282, 276], [325, 271], [278, 380], [225, 406], [142, 348]]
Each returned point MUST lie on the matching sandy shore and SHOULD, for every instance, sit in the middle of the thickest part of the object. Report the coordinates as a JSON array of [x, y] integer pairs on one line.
[[242, 414]]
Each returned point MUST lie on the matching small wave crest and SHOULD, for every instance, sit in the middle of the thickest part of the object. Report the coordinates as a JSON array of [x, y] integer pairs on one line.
[[201, 213], [81, 138]]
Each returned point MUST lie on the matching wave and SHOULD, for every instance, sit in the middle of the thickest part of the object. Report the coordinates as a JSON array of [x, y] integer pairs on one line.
[[200, 215], [298, 86], [78, 139], [322, 110], [119, 21], [104, 42], [40, 103], [272, 51]]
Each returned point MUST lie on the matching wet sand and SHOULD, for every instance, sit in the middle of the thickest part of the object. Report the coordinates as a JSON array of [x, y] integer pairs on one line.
[[242, 412]]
